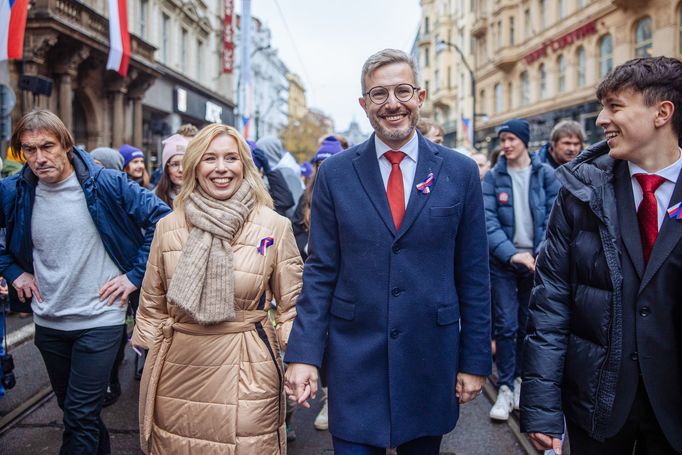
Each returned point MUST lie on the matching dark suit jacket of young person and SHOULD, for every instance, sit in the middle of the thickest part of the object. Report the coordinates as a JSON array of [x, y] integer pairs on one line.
[[599, 316], [405, 310]]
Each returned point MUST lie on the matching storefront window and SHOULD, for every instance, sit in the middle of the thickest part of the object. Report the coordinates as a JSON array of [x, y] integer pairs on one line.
[[581, 67], [605, 55], [561, 66], [643, 45]]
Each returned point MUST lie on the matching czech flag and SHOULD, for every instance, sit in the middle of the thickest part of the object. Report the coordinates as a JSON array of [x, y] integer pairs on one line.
[[12, 26], [119, 54]]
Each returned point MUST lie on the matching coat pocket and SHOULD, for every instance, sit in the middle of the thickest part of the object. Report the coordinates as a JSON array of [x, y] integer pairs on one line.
[[448, 315], [344, 309], [441, 212]]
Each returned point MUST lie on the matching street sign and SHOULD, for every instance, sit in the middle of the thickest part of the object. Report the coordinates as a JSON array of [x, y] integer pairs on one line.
[[7, 102]]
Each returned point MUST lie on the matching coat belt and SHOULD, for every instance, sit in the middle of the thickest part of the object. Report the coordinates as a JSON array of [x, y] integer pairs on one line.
[[244, 321]]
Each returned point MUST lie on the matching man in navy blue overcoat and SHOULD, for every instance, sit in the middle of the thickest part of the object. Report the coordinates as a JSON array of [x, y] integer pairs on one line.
[[399, 292]]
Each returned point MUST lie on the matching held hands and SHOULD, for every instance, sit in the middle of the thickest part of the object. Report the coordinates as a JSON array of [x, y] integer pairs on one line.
[[27, 286], [525, 259], [468, 386], [545, 442], [119, 286], [300, 383]]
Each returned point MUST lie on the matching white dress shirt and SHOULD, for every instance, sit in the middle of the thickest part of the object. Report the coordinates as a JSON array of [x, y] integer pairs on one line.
[[663, 193], [408, 166]]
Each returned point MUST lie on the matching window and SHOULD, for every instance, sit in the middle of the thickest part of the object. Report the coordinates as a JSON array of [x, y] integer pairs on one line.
[[561, 67], [200, 60], [499, 34], [543, 82], [527, 26], [449, 77], [562, 8], [643, 38], [143, 19], [183, 50], [525, 89], [482, 102], [581, 3], [426, 26], [165, 30], [498, 98], [426, 87], [427, 59], [580, 67], [605, 55], [436, 80], [511, 31], [542, 7]]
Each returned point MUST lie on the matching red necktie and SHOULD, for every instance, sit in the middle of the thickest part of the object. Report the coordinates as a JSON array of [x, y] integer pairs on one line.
[[647, 213], [394, 189]]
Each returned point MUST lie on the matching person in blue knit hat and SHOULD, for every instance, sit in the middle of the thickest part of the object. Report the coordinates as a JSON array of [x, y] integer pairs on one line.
[[133, 164], [518, 194]]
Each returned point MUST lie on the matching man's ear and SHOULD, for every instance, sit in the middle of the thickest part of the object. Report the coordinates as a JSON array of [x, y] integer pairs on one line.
[[363, 103], [664, 113]]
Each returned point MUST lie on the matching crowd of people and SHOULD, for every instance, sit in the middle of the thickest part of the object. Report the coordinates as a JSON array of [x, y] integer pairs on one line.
[[389, 276]]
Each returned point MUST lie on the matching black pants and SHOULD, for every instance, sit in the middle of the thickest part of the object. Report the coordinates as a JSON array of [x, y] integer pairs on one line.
[[641, 434], [428, 445], [78, 363]]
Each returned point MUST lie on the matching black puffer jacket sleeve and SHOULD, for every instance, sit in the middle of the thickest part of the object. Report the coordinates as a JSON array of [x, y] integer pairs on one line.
[[282, 198], [548, 326]]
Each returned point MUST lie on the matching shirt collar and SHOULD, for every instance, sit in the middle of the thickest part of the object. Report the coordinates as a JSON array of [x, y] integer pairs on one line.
[[410, 149], [669, 173]]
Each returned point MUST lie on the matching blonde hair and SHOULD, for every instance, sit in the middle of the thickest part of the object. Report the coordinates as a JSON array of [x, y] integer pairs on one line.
[[197, 148]]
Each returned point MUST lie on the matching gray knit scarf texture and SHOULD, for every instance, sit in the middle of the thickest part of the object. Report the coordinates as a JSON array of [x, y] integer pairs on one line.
[[203, 281]]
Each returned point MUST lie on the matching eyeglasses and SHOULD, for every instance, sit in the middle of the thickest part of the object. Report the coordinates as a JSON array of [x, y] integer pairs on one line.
[[402, 92]]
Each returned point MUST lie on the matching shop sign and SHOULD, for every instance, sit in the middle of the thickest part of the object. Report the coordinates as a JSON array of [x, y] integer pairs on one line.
[[563, 41], [228, 36]]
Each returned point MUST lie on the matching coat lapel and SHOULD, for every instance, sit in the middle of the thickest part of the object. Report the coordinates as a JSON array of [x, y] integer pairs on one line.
[[367, 167], [428, 161], [627, 217], [669, 235]]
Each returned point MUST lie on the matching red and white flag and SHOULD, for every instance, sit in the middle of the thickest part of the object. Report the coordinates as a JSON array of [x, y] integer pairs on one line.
[[119, 54], [12, 26]]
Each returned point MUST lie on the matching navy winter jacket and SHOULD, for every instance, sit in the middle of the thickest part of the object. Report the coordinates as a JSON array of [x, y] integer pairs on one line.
[[124, 213], [498, 198]]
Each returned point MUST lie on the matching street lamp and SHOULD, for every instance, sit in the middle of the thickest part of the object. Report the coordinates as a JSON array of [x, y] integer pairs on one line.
[[440, 45]]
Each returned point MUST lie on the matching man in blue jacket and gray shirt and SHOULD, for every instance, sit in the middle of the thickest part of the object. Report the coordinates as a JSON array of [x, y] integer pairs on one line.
[[518, 194], [77, 242]]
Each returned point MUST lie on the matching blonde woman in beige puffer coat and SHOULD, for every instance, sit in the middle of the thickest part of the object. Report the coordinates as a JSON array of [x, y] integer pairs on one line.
[[212, 381]]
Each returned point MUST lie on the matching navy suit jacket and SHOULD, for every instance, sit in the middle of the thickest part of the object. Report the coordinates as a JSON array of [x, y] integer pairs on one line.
[[401, 312]]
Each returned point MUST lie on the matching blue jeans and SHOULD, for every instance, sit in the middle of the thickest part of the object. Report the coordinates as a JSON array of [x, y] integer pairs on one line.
[[79, 363], [511, 288], [428, 445]]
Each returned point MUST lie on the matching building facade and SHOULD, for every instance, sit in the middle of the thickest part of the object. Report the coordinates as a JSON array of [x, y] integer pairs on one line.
[[297, 104], [443, 49], [174, 74], [265, 100], [542, 59]]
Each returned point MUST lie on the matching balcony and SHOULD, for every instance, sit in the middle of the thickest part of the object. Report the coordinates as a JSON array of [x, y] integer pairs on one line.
[[505, 58], [82, 23], [480, 26]]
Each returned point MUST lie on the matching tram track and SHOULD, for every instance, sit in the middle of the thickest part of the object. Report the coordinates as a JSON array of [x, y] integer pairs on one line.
[[22, 411]]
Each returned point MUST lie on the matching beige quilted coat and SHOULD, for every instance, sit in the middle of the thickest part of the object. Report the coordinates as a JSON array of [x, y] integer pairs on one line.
[[218, 389]]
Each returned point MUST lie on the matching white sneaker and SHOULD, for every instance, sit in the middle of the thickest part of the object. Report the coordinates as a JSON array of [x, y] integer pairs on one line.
[[322, 420], [517, 393], [503, 405]]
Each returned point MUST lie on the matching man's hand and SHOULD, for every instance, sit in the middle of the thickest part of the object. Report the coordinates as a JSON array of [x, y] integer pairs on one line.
[[119, 286], [300, 383], [525, 259], [27, 287], [468, 386], [545, 442]]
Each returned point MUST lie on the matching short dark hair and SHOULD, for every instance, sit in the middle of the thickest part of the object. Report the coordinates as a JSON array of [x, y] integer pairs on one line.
[[656, 78]]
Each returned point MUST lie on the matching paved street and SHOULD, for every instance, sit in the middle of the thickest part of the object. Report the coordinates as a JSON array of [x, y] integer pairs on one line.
[[40, 432]]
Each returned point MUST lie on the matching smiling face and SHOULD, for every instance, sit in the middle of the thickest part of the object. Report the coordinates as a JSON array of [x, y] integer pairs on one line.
[[220, 171], [394, 121], [513, 148], [629, 125], [46, 157], [135, 168], [175, 170]]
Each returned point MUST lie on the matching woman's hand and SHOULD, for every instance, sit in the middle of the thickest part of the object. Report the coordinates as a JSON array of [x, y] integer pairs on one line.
[[300, 383]]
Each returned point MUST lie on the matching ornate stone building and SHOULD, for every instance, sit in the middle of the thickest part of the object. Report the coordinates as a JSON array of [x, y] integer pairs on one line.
[[542, 59]]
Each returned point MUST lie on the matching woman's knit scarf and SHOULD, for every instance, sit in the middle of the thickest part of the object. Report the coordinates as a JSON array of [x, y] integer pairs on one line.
[[203, 281]]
